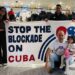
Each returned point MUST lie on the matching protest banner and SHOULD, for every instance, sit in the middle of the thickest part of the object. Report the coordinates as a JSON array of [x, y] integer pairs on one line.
[[27, 42]]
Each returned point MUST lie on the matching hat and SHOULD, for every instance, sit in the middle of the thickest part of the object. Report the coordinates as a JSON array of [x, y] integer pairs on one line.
[[61, 28]]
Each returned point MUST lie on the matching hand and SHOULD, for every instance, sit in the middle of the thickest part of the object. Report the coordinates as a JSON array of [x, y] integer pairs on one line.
[[7, 21], [46, 64]]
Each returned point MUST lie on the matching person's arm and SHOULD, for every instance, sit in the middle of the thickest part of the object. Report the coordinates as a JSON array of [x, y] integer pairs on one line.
[[48, 52], [72, 50]]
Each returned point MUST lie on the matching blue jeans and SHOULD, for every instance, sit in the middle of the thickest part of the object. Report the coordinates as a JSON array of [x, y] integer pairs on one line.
[[54, 58], [70, 60]]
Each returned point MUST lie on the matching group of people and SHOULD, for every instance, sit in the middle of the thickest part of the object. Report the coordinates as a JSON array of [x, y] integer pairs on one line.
[[58, 15], [57, 53], [60, 53]]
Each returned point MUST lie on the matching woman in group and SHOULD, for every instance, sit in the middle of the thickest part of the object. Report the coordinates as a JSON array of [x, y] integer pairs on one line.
[[3, 50]]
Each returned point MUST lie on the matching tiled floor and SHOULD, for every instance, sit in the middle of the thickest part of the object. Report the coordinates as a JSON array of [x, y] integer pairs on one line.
[[32, 71], [22, 71], [25, 71]]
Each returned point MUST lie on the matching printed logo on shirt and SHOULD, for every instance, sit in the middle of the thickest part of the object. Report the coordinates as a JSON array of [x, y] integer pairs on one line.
[[60, 50]]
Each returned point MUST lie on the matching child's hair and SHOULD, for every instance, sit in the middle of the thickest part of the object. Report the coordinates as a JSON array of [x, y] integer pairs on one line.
[[74, 39], [71, 37]]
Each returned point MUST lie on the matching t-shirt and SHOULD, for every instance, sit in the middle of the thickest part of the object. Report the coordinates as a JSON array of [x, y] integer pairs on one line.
[[58, 47], [10, 13], [71, 47]]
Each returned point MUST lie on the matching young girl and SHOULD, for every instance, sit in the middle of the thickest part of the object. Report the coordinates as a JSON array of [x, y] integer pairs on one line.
[[69, 52]]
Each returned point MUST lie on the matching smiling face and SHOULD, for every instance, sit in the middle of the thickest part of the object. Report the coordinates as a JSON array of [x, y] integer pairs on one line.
[[60, 36], [70, 39], [58, 9], [2, 13]]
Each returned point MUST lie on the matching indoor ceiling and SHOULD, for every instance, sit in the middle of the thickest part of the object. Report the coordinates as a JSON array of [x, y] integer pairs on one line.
[[70, 4]]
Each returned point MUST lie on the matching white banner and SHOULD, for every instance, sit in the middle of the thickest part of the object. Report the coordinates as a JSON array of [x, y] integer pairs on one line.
[[27, 42]]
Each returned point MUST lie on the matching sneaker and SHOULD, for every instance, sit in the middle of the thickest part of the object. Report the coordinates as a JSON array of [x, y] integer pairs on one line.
[[65, 73], [62, 66], [0, 65], [63, 69], [52, 70], [4, 64]]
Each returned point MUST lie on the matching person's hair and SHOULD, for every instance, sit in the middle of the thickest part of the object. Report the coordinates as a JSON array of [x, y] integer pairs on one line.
[[71, 37], [5, 16], [74, 38], [58, 5]]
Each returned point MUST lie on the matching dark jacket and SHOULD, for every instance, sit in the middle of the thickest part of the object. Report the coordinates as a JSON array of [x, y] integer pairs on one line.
[[2, 25], [58, 17]]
